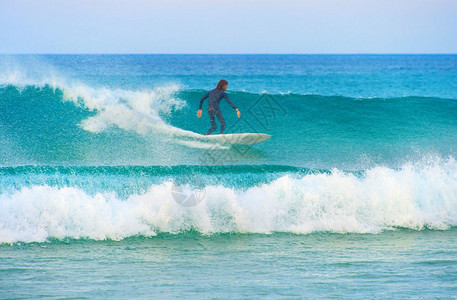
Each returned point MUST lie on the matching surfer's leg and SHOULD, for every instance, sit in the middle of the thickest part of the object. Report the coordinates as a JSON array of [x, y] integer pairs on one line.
[[221, 119], [213, 122]]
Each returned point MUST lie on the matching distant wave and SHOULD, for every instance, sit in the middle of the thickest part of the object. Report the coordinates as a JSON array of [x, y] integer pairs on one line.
[[291, 95], [375, 200], [165, 99]]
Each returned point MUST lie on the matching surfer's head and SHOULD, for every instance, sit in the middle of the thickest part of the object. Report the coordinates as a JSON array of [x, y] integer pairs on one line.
[[222, 85]]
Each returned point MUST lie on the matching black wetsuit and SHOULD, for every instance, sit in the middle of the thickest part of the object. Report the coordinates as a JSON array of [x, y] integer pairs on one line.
[[215, 97]]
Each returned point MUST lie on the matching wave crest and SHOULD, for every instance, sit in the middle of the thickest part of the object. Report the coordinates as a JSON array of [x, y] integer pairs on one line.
[[380, 199], [140, 111]]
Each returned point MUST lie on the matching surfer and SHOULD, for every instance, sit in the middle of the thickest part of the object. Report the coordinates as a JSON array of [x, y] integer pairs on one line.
[[215, 96]]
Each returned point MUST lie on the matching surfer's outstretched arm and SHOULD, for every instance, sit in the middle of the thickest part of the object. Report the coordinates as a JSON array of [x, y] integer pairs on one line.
[[232, 105], [199, 112], [229, 102], [202, 100]]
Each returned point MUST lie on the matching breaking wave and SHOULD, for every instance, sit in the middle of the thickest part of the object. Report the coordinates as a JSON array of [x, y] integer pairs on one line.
[[371, 201]]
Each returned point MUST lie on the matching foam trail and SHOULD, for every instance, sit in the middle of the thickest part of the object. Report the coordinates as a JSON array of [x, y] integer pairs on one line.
[[138, 111], [381, 199], [202, 144]]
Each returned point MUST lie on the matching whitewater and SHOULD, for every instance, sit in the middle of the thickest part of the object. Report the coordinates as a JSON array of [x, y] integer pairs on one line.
[[379, 199]]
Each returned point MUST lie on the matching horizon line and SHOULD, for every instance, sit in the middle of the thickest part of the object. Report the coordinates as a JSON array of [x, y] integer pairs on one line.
[[239, 53]]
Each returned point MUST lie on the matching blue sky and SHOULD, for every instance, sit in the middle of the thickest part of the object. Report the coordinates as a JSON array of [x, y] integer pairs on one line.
[[228, 26]]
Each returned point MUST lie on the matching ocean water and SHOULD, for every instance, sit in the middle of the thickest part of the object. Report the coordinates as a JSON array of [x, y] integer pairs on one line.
[[107, 189]]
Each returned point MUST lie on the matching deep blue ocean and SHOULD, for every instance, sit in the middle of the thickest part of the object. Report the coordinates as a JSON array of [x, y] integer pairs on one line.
[[107, 189]]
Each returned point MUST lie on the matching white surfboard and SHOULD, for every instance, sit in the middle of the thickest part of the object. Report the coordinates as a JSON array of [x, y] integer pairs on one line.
[[237, 138]]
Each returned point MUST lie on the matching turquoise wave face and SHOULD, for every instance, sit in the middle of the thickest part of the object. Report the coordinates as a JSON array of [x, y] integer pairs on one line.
[[81, 125], [126, 181]]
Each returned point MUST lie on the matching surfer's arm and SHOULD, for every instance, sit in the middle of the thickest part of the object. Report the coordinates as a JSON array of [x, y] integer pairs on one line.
[[203, 99], [230, 102], [238, 113]]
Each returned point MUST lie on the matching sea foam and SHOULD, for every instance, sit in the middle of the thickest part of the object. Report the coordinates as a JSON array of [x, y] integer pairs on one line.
[[380, 199], [140, 111]]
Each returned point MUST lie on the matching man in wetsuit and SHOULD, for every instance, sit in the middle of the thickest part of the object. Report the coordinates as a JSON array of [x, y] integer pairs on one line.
[[215, 96]]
